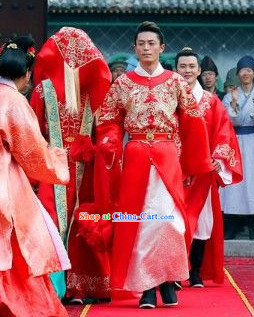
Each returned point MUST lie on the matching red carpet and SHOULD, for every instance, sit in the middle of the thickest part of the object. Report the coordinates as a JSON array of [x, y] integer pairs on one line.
[[219, 301], [74, 310], [242, 270], [213, 301]]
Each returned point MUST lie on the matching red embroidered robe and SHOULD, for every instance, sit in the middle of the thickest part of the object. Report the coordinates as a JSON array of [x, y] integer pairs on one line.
[[72, 49], [223, 146], [161, 104]]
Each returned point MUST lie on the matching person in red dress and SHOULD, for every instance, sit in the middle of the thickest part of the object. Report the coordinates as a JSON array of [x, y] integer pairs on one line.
[[72, 78]]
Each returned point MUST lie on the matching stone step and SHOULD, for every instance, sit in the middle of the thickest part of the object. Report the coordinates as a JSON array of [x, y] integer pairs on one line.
[[239, 248]]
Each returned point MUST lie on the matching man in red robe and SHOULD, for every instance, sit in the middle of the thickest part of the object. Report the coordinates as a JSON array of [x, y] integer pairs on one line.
[[72, 78], [202, 199], [167, 137]]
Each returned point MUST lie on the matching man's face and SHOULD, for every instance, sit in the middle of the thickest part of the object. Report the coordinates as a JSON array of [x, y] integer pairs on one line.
[[188, 67], [229, 88], [117, 71], [209, 79], [246, 75], [148, 48]]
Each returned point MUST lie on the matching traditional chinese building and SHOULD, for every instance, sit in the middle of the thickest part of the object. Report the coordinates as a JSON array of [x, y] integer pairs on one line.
[[223, 29]]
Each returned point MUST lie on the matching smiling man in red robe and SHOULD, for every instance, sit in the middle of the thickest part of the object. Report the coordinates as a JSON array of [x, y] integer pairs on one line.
[[202, 199]]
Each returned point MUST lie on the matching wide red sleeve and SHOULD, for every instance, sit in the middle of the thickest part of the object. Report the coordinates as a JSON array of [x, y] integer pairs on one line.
[[110, 131], [108, 153], [195, 154], [224, 143]]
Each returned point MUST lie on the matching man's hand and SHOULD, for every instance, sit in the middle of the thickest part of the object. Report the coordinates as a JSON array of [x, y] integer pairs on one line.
[[216, 166], [234, 103]]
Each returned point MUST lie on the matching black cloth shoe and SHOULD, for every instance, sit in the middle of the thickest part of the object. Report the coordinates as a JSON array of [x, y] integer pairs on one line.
[[148, 299], [195, 279], [178, 285], [73, 301], [168, 294]]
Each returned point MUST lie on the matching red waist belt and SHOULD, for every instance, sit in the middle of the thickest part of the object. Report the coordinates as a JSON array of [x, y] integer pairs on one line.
[[149, 136]]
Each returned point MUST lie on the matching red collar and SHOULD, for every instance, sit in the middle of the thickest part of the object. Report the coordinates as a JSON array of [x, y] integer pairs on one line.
[[149, 81]]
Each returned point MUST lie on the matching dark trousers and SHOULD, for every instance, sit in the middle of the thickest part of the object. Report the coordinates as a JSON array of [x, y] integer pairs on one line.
[[197, 254]]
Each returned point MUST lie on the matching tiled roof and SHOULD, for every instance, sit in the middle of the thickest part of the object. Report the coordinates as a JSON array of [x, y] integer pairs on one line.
[[153, 6]]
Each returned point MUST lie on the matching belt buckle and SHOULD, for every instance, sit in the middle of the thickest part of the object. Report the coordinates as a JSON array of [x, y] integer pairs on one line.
[[149, 136]]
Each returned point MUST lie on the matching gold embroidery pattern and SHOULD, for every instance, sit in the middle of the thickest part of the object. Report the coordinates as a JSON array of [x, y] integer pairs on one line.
[[205, 102], [86, 283], [186, 99], [39, 90], [178, 144], [76, 47], [226, 152], [140, 108], [70, 123], [56, 140]]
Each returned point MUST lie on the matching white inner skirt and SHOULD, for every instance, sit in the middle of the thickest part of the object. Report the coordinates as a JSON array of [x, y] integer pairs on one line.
[[159, 252], [205, 220]]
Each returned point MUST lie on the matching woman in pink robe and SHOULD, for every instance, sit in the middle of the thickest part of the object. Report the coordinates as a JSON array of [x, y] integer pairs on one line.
[[29, 245]]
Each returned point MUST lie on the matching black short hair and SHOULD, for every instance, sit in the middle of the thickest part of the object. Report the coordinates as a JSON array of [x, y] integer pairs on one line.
[[148, 26], [15, 58], [167, 65], [186, 52]]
